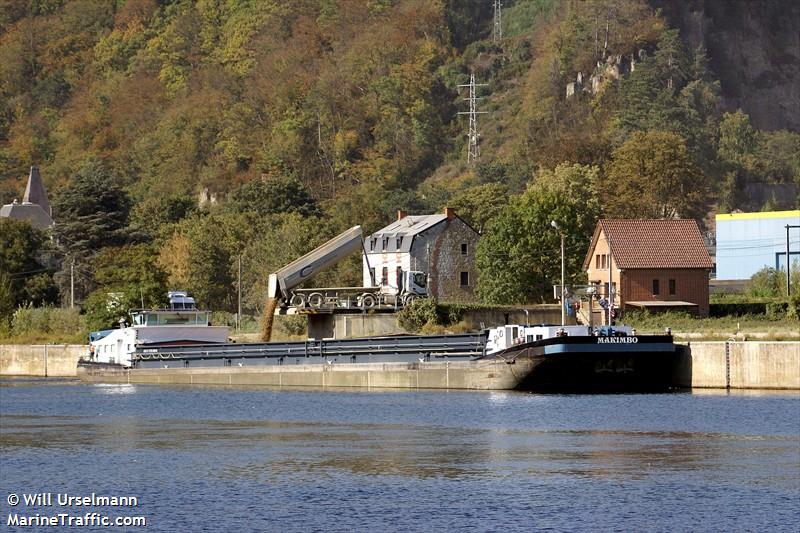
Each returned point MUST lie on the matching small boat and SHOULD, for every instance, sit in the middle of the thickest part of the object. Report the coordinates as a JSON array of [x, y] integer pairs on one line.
[[179, 324], [585, 359]]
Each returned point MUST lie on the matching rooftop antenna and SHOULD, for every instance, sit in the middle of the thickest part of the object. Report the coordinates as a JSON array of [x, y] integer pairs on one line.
[[497, 32], [473, 150]]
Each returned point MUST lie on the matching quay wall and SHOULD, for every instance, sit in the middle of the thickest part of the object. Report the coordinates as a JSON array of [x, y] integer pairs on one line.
[[745, 365], [349, 325], [40, 360], [734, 365]]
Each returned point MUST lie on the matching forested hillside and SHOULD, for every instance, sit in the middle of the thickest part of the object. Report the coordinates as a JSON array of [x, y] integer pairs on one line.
[[177, 136]]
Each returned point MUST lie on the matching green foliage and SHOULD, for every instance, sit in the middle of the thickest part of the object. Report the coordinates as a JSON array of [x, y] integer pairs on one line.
[[738, 140], [7, 299], [104, 310], [127, 278], [23, 278], [32, 324], [673, 91], [273, 195], [741, 308], [523, 15], [478, 205], [793, 308], [153, 216], [92, 213], [211, 262], [771, 283], [294, 325], [348, 111], [518, 258], [653, 176], [722, 327], [421, 312]]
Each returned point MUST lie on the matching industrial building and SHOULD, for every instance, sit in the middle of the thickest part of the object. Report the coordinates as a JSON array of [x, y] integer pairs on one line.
[[440, 245], [749, 242]]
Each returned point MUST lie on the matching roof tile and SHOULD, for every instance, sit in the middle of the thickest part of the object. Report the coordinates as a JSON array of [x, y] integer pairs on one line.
[[666, 243]]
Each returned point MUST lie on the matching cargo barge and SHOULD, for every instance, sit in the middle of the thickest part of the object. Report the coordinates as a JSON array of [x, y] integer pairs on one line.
[[546, 358]]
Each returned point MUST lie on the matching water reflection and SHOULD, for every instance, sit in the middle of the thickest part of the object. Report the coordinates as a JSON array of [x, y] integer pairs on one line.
[[311, 457], [122, 388]]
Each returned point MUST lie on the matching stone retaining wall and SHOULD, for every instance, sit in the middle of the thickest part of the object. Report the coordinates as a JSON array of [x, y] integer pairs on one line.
[[745, 365], [40, 360]]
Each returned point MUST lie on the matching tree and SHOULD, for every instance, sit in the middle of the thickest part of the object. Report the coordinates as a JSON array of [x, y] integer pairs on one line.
[[127, 278], [92, 213], [23, 278], [653, 176], [268, 195], [279, 241], [518, 258], [152, 215], [478, 205], [738, 140]]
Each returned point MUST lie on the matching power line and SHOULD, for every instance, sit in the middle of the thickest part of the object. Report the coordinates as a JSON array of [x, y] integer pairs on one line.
[[497, 31], [473, 150]]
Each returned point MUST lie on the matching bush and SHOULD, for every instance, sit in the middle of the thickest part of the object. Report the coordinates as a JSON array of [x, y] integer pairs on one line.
[[771, 283], [793, 311], [737, 308], [292, 324], [421, 312], [50, 322], [777, 310]]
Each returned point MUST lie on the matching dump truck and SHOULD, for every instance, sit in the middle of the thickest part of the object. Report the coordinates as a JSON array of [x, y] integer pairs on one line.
[[283, 284]]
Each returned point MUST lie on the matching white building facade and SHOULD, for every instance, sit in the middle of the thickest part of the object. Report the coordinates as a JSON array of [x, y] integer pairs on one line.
[[441, 245]]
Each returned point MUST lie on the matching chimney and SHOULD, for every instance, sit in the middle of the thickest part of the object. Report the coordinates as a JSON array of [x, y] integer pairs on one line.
[[449, 212], [401, 214]]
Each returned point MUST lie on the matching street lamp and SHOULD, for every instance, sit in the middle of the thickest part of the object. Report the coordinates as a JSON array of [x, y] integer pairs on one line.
[[563, 289]]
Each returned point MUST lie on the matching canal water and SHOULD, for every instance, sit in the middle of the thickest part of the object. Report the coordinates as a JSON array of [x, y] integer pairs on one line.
[[237, 459]]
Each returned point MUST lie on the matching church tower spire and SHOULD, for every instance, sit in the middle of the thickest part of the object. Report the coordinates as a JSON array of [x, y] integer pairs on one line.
[[35, 192]]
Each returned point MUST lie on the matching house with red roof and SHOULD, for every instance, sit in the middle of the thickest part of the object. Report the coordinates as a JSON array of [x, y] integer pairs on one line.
[[651, 264]]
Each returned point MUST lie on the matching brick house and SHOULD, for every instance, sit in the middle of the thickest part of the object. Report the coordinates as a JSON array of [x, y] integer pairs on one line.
[[653, 264], [440, 245]]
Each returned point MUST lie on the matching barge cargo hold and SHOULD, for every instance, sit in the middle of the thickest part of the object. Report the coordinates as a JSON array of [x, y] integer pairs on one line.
[[547, 358]]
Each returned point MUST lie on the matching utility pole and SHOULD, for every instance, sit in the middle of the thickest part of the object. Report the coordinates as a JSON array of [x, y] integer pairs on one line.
[[789, 261], [72, 284], [563, 289], [473, 151], [610, 282], [239, 298], [497, 32]]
